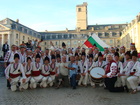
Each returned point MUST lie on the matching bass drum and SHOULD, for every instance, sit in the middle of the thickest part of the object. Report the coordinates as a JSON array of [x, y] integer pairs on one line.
[[96, 74]]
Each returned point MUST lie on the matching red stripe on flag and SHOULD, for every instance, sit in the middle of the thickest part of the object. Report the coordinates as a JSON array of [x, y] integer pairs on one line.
[[88, 44]]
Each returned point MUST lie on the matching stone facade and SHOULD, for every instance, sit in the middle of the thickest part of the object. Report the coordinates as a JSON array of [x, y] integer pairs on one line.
[[131, 34]]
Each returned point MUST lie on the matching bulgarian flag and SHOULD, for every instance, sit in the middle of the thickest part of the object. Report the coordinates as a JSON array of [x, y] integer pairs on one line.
[[94, 39]]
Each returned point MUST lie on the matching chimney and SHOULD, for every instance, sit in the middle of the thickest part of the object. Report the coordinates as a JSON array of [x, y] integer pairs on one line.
[[78, 29], [17, 20], [92, 28], [67, 30], [106, 28]]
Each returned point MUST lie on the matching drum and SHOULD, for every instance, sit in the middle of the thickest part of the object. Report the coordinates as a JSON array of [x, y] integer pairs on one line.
[[96, 74]]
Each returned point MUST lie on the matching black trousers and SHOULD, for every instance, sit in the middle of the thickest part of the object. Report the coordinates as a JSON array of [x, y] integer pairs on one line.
[[110, 85], [8, 83]]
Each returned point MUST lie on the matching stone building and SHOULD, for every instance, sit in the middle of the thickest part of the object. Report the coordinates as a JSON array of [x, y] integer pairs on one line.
[[15, 33], [131, 34]]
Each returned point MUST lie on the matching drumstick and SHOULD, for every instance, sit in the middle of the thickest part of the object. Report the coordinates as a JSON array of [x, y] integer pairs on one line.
[[99, 74]]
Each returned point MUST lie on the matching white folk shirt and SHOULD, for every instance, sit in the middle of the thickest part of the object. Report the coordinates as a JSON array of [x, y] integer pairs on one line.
[[45, 69], [79, 64], [120, 66], [136, 68], [9, 57], [15, 70], [113, 70], [84, 66], [28, 69], [22, 57], [127, 68], [36, 66], [100, 64]]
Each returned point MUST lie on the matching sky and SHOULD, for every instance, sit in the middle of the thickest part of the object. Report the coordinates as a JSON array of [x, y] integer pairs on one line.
[[53, 15]]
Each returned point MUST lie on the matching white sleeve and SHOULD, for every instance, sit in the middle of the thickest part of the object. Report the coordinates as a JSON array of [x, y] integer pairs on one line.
[[113, 70], [7, 71], [121, 67], [86, 67], [93, 65], [81, 68], [22, 71], [138, 70]]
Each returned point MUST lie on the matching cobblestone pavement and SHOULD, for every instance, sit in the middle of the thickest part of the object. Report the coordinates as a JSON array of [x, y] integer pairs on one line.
[[65, 96]]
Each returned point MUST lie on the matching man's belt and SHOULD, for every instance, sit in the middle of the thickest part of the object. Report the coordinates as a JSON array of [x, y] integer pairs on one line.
[[14, 75], [132, 73], [28, 75], [45, 75], [36, 73], [52, 73]]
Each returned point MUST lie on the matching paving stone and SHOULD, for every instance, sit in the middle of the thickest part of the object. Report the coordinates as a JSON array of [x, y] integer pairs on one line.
[[65, 96]]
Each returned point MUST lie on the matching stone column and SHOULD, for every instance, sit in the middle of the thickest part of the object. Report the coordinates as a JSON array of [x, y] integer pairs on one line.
[[2, 39], [9, 42]]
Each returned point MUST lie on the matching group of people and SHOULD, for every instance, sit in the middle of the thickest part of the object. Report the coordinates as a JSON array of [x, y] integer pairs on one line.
[[31, 44], [71, 67]]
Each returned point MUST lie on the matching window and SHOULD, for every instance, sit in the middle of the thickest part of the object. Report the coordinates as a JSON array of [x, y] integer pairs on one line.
[[16, 36], [55, 43], [68, 42], [111, 41], [109, 26], [13, 26], [106, 34], [44, 43], [25, 30], [99, 34], [16, 42], [79, 9], [75, 42], [23, 37], [20, 28], [116, 26]]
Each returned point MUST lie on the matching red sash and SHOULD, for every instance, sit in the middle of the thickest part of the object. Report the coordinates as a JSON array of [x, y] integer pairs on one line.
[[14, 75], [52, 73], [28, 75], [45, 75], [36, 73], [132, 73]]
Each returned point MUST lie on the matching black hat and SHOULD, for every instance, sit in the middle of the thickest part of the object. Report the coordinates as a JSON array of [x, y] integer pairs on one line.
[[28, 58], [58, 56], [128, 53], [53, 57], [135, 53], [76, 54], [47, 58], [90, 55], [38, 56], [63, 44], [83, 54], [100, 54], [16, 56], [116, 54]]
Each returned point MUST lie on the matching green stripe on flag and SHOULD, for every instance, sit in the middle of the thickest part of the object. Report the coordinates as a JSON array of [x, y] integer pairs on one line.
[[92, 41]]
